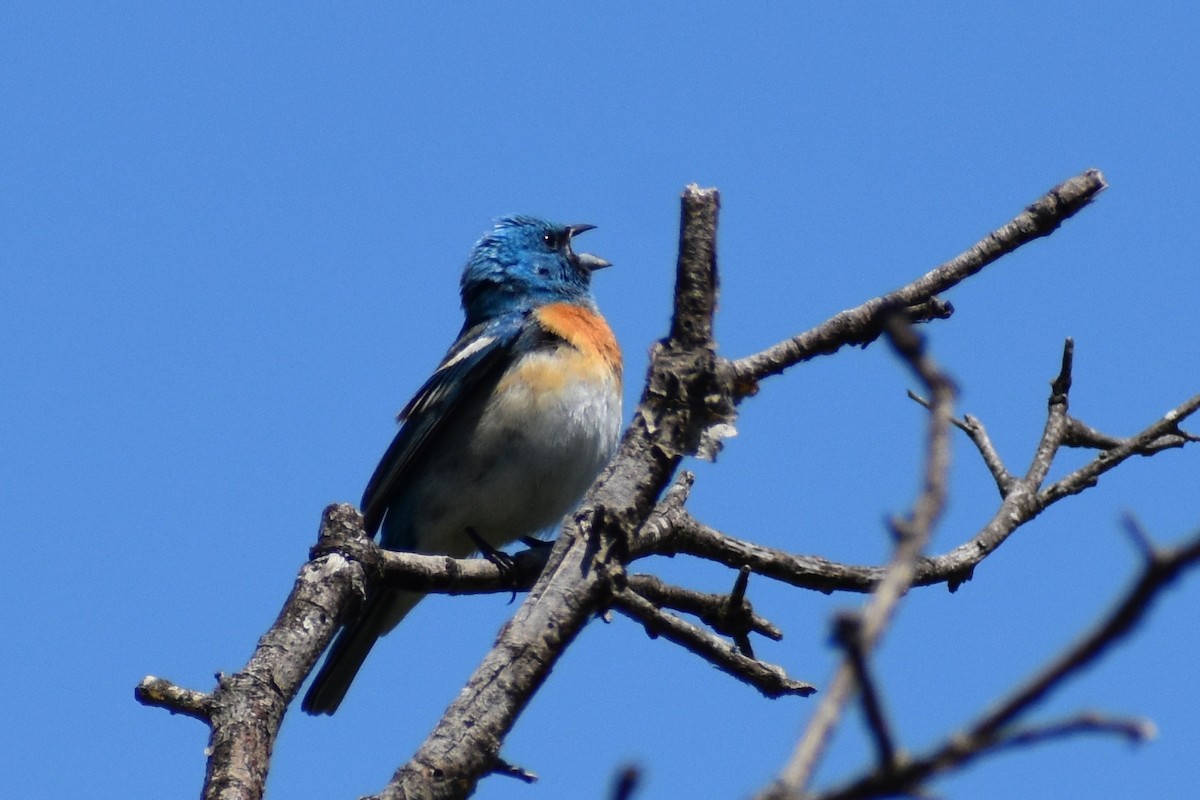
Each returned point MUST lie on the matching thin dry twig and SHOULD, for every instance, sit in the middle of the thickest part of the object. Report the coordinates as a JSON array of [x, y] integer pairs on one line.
[[678, 532], [977, 433], [626, 783], [1089, 474], [729, 614], [162, 693], [507, 770], [862, 325], [848, 634], [911, 536], [997, 729], [769, 679]]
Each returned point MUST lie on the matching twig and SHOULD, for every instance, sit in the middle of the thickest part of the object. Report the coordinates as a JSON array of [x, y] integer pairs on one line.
[[1090, 473], [162, 693], [1140, 537], [863, 324], [1165, 566], [668, 512], [848, 634], [978, 435], [1056, 421], [721, 612], [997, 729], [737, 608], [910, 777], [912, 535], [1135, 730], [446, 575], [678, 532], [769, 679], [502, 767], [626, 783], [1079, 434]]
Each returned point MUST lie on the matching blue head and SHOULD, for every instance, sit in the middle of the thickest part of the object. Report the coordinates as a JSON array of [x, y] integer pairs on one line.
[[523, 263]]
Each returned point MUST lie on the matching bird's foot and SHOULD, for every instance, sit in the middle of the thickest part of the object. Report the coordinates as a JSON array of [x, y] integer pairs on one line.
[[503, 561]]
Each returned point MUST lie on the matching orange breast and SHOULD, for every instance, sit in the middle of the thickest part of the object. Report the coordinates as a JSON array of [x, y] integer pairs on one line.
[[585, 330]]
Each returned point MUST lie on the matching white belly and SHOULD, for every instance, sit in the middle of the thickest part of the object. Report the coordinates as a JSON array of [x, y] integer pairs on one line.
[[537, 446]]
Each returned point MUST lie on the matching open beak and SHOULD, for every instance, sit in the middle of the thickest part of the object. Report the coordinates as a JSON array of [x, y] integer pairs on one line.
[[586, 260]]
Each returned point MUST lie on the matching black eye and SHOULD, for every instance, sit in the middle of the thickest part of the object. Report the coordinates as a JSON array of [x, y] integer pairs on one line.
[[552, 240]]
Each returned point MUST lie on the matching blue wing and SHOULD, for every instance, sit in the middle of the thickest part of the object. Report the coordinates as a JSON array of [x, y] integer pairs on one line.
[[473, 364]]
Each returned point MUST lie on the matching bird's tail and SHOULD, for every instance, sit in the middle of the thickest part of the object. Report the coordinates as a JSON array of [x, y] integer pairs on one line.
[[383, 612]]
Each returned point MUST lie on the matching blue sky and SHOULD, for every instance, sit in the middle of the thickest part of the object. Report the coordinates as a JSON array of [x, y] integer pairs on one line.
[[231, 238]]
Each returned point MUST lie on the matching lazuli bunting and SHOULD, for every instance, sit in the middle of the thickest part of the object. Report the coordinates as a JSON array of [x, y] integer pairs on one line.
[[506, 435]]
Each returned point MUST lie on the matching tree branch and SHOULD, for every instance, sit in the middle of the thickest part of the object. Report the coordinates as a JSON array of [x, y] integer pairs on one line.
[[862, 325], [912, 534], [726, 614], [769, 679], [635, 509], [978, 435], [245, 710], [1140, 444], [848, 634], [161, 693], [996, 729], [675, 531]]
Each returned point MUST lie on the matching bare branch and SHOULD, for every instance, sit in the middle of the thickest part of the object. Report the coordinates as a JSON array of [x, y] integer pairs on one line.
[[626, 783], [738, 609], [668, 513], [502, 767], [161, 693], [848, 634], [1140, 537], [245, 710], [997, 729], [1079, 434], [446, 575], [909, 777], [987, 451], [863, 324], [912, 535], [1090, 473], [1056, 421], [1133, 729], [723, 613], [771, 680], [1162, 569], [677, 532], [979, 437], [330, 586]]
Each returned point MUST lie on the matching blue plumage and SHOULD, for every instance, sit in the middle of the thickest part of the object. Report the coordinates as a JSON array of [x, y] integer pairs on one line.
[[523, 262]]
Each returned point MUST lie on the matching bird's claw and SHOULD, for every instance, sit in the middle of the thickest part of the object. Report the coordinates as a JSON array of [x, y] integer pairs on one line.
[[503, 561]]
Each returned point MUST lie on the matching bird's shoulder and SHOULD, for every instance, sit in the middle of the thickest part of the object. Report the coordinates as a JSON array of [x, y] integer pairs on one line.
[[475, 353]]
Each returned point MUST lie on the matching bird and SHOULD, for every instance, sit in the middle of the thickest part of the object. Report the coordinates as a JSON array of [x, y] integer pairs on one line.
[[504, 438]]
